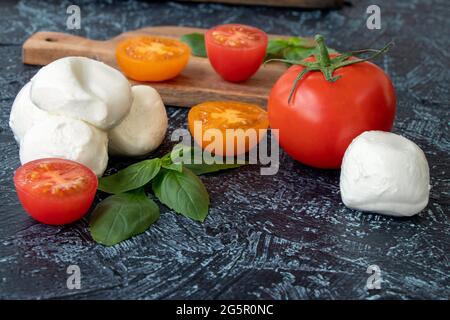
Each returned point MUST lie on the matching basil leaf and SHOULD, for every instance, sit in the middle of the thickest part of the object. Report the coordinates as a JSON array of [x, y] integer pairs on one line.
[[132, 177], [196, 41], [173, 166], [294, 48], [183, 192], [167, 163], [203, 168], [298, 54], [122, 216], [195, 161], [198, 166], [301, 42], [275, 48]]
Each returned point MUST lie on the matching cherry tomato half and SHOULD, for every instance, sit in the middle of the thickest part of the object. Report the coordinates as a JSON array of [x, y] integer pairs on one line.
[[223, 115], [236, 51], [151, 58], [55, 191]]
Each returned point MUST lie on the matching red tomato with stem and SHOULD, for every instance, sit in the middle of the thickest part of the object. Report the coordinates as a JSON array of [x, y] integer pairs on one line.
[[324, 116], [55, 191], [236, 51]]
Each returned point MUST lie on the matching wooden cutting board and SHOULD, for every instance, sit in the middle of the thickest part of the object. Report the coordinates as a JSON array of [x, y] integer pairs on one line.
[[197, 83]]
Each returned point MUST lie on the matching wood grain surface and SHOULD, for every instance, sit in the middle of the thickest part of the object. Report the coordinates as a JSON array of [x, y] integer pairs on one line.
[[197, 83]]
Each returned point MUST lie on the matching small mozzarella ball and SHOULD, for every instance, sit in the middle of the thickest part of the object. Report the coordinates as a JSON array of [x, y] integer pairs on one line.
[[83, 89], [385, 173], [62, 137], [144, 128], [24, 114]]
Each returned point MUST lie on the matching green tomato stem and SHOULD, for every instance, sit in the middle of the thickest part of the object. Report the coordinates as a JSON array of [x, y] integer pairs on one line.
[[324, 56], [327, 65]]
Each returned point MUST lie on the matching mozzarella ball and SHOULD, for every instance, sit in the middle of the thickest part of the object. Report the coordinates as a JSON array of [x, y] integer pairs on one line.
[[385, 173], [144, 128], [83, 89], [24, 114], [62, 137]]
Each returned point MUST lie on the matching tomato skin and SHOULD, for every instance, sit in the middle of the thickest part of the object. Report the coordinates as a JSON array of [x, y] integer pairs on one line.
[[55, 210], [216, 115], [323, 118], [153, 69], [236, 64]]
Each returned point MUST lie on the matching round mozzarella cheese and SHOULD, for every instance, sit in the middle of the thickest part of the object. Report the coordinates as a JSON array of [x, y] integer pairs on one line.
[[62, 137], [385, 173], [24, 114], [144, 128], [84, 89]]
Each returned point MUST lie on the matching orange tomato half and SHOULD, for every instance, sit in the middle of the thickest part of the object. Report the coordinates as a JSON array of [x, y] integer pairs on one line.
[[227, 128], [151, 58]]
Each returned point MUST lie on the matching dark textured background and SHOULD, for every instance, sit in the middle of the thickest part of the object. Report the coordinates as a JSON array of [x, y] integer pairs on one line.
[[286, 236]]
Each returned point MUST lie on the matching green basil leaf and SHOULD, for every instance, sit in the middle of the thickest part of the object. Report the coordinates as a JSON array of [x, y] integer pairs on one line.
[[195, 161], [294, 48], [196, 41], [301, 42], [173, 166], [203, 168], [167, 163], [275, 48], [198, 166], [132, 177], [122, 216], [298, 53], [183, 192]]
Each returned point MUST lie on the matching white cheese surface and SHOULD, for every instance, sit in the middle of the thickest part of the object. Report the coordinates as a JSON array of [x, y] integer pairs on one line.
[[62, 137], [83, 89], [24, 114], [385, 173], [144, 128]]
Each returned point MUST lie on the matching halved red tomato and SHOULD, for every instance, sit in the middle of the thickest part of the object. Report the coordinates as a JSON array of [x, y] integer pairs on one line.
[[55, 191], [236, 51]]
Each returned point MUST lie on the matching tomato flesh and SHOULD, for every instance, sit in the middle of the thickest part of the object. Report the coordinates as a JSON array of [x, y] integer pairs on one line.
[[151, 58], [55, 191], [228, 115], [236, 51], [323, 117]]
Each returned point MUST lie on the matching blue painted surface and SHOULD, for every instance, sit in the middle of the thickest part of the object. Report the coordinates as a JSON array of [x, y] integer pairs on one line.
[[286, 236]]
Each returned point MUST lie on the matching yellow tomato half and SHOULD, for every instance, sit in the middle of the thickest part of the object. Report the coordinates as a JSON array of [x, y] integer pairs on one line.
[[152, 58], [227, 128]]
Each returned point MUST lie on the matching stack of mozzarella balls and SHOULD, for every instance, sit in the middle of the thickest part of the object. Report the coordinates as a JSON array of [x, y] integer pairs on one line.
[[77, 108]]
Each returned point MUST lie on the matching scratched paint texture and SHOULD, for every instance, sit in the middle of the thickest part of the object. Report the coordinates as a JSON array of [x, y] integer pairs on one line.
[[286, 236]]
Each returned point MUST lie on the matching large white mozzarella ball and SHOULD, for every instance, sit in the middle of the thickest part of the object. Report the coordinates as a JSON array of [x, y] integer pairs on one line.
[[62, 137], [144, 128], [385, 173], [84, 89], [24, 114]]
